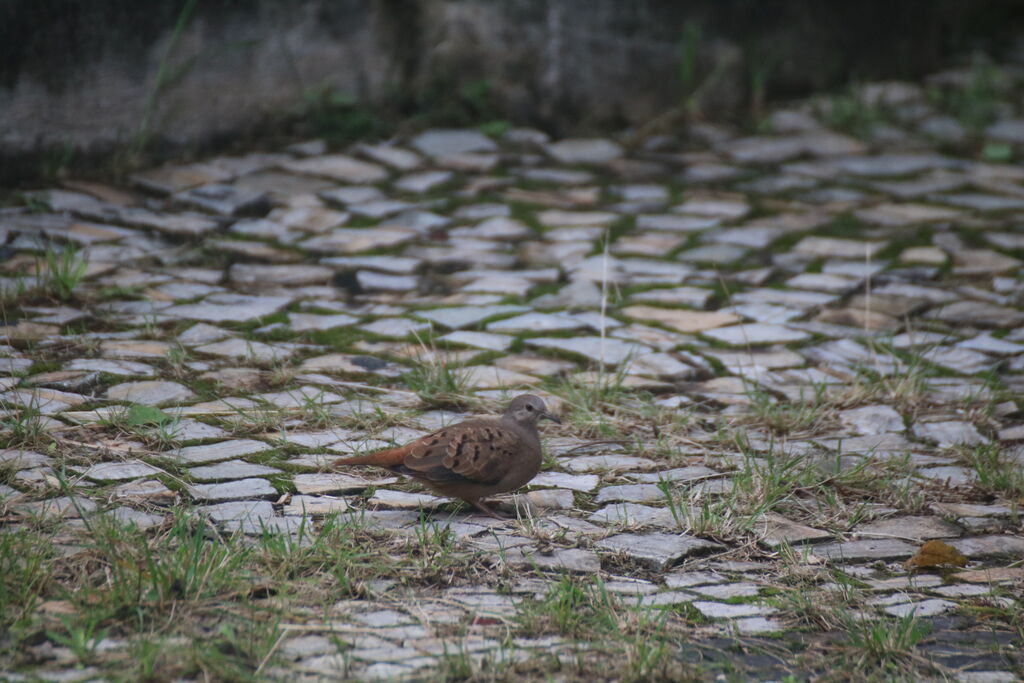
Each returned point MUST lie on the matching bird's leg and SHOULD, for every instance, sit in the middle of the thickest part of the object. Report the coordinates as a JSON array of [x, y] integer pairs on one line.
[[475, 502]]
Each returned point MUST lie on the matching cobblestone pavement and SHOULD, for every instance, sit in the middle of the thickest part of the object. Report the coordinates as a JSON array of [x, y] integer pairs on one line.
[[786, 360]]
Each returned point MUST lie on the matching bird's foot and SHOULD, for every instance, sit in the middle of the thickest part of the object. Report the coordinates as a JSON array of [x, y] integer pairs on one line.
[[486, 510]]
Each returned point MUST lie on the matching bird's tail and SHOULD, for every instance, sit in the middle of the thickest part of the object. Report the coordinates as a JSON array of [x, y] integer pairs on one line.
[[386, 458]]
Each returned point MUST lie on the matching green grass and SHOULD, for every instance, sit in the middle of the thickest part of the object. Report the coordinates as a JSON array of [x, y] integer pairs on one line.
[[63, 271], [23, 428], [438, 383], [783, 416], [997, 473]]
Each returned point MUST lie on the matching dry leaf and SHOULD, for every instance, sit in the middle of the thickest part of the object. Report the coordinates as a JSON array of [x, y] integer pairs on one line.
[[935, 554], [992, 575]]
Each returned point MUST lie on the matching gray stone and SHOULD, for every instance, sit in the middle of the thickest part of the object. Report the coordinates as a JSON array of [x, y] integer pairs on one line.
[[338, 167], [315, 505], [600, 463], [119, 471], [911, 528], [224, 450], [233, 490], [389, 264], [584, 151], [231, 469], [228, 308], [127, 516], [948, 434], [679, 474], [466, 316], [633, 515], [354, 240], [856, 551], [153, 393], [656, 551], [441, 143], [872, 419], [720, 610], [64, 507], [755, 333], [632, 493], [558, 559], [536, 322], [333, 483], [924, 608], [19, 458], [395, 327], [999, 545], [574, 482], [248, 509], [302, 322], [608, 351], [482, 340]]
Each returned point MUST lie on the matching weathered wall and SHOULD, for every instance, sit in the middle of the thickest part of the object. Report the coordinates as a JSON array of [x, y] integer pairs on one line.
[[91, 76]]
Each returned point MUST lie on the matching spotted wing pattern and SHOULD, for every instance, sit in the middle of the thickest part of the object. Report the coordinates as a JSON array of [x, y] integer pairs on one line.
[[477, 451]]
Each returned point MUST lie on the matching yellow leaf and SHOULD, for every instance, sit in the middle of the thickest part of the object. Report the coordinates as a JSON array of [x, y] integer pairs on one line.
[[935, 554]]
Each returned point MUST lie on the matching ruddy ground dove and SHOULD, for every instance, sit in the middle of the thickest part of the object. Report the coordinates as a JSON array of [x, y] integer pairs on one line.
[[473, 459]]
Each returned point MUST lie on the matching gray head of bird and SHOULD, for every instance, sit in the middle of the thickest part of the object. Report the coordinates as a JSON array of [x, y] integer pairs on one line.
[[528, 409]]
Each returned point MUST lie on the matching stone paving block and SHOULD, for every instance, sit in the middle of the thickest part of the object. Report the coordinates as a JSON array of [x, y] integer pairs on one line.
[[657, 551], [233, 490], [873, 549], [114, 471], [224, 450], [230, 469]]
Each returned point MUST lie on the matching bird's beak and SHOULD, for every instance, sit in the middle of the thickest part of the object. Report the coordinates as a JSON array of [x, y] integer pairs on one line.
[[548, 416]]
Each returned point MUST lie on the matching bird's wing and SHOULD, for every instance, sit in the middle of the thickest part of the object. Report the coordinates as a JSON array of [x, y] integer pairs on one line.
[[478, 451]]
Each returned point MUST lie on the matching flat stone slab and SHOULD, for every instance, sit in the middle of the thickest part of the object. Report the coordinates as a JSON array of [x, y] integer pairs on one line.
[[721, 610], [231, 469], [774, 530], [633, 515], [584, 151], [228, 308], [315, 505], [238, 510], [112, 367], [948, 434], [873, 419], [632, 493], [858, 551], [466, 316], [120, 471], [233, 490], [681, 319], [996, 545], [656, 551], [600, 463], [914, 529], [924, 608], [607, 351], [755, 333], [338, 167], [560, 559], [442, 143], [152, 393], [316, 484], [482, 340], [224, 450], [574, 482]]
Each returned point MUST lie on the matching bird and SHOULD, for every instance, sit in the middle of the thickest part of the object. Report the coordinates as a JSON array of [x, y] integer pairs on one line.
[[473, 459]]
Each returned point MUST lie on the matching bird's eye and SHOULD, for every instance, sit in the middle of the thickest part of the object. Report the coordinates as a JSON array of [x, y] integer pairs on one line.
[[529, 407]]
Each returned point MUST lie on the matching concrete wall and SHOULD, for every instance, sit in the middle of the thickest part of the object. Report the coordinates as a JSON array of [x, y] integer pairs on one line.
[[84, 78]]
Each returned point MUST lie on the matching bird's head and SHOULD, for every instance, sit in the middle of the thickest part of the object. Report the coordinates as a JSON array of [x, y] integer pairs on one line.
[[528, 409]]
